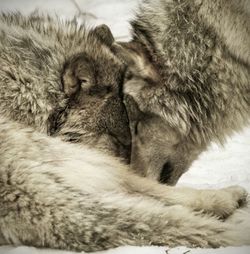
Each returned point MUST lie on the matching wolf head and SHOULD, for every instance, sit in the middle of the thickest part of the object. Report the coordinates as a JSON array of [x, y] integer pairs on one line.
[[92, 80], [160, 145], [67, 81]]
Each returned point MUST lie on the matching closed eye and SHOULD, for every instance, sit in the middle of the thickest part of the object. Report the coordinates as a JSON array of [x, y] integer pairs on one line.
[[136, 128], [128, 75], [83, 82]]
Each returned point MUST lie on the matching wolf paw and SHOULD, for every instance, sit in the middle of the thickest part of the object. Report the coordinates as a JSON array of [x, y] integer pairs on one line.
[[224, 202]]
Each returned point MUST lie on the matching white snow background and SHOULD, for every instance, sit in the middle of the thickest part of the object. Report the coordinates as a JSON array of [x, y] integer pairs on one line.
[[217, 167]]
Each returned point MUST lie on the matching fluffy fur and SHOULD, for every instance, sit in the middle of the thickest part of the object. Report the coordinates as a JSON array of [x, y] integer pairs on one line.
[[189, 80], [59, 195], [54, 78], [36, 52]]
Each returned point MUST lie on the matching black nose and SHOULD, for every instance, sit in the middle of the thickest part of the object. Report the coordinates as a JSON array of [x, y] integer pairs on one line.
[[166, 172]]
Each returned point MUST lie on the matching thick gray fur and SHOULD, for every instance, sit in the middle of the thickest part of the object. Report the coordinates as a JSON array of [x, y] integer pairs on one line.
[[60, 80], [36, 54], [67, 196], [189, 79]]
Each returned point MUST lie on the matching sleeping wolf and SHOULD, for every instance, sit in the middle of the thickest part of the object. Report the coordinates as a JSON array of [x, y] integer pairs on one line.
[[61, 80], [35, 53], [188, 82]]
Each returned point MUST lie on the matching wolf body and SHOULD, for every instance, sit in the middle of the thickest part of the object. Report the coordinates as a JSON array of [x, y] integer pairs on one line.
[[68, 196], [189, 81], [60, 80]]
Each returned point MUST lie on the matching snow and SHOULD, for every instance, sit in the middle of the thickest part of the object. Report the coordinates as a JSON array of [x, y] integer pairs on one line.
[[217, 167]]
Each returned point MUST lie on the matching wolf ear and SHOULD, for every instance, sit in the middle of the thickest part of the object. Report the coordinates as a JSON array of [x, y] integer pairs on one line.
[[104, 34], [137, 59]]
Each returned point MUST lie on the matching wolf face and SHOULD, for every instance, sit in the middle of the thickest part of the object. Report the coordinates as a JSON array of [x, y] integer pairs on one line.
[[158, 148], [96, 110]]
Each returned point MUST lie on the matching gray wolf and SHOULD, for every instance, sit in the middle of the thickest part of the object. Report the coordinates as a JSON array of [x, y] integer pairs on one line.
[[188, 81], [36, 53], [62, 123]]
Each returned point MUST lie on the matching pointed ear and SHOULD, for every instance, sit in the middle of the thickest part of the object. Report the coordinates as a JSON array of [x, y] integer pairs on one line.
[[137, 59], [104, 34]]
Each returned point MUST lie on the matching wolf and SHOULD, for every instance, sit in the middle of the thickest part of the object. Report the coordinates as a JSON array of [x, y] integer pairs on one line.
[[187, 82], [36, 56], [62, 124]]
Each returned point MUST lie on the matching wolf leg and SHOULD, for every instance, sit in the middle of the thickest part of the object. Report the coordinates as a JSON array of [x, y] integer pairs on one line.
[[50, 197], [221, 202], [74, 221]]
